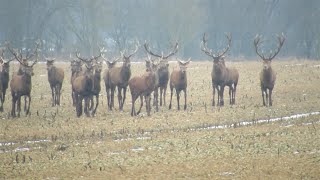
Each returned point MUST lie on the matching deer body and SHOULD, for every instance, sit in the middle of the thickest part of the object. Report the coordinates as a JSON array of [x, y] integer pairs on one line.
[[76, 70], [178, 81], [232, 82], [20, 83], [220, 74], [119, 77], [82, 87], [162, 72], [55, 78], [267, 75], [267, 82], [142, 86], [107, 82], [4, 78]]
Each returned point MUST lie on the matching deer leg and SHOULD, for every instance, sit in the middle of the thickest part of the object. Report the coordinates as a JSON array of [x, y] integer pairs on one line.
[[108, 97], [52, 95], [86, 106], [270, 98], [267, 97], [141, 104], [13, 108], [178, 98], [221, 98], [133, 110], [124, 97], [79, 105], [119, 98], [1, 99], [25, 104], [213, 94], [171, 89], [112, 98], [73, 99], [97, 103], [29, 101], [161, 91], [148, 102], [4, 94], [234, 93], [230, 95], [262, 94], [18, 102], [164, 95], [218, 92], [185, 99], [124, 94], [59, 93], [91, 102], [155, 101]]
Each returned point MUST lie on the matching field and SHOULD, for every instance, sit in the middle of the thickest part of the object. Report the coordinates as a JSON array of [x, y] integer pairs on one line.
[[246, 140]]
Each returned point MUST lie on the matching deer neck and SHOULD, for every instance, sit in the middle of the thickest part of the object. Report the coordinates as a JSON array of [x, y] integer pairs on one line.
[[183, 76], [267, 73], [26, 77], [125, 73]]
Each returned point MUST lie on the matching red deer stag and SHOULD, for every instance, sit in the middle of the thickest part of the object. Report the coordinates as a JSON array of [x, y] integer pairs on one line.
[[219, 71], [106, 78], [4, 77], [83, 85], [231, 82], [20, 83], [178, 81], [267, 75], [96, 85], [76, 70], [55, 78], [163, 72], [119, 77], [143, 86]]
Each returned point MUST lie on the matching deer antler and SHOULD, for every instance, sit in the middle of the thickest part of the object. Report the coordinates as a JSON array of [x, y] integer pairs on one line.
[[78, 56], [209, 52], [35, 53], [174, 51], [272, 55], [134, 52]]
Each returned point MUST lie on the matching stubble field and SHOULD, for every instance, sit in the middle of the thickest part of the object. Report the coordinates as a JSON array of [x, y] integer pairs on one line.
[[245, 140]]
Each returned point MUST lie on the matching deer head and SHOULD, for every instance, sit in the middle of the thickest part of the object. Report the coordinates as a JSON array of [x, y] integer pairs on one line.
[[126, 58], [267, 59], [183, 65], [163, 58], [26, 68], [217, 57]]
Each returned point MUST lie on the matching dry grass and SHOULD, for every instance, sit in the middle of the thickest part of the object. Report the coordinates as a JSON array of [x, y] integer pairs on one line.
[[168, 144]]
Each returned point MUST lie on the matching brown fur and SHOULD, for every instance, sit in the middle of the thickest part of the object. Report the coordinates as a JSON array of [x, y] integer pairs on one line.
[[76, 70], [4, 78], [82, 86], [231, 81], [142, 86], [107, 81], [20, 83], [55, 78], [178, 81], [96, 85], [163, 73], [119, 77], [268, 75], [219, 73]]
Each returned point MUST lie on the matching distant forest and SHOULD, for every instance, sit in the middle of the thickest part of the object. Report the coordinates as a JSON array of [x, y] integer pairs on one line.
[[65, 26]]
